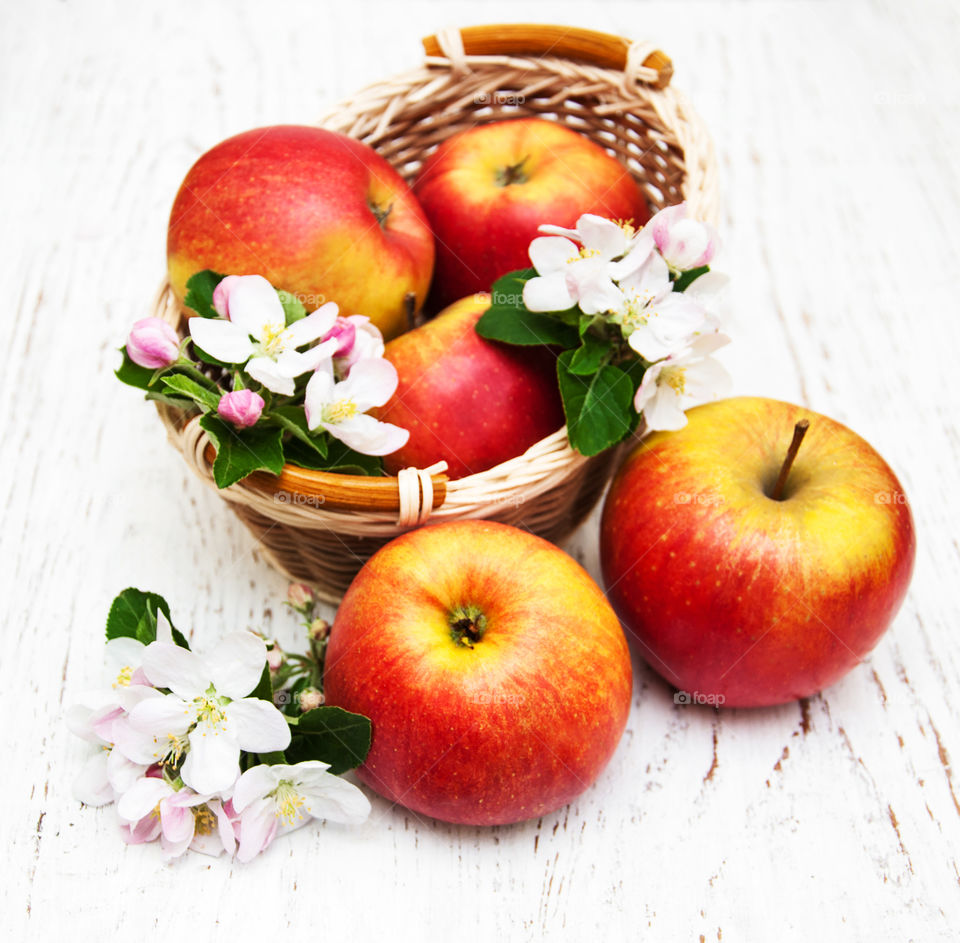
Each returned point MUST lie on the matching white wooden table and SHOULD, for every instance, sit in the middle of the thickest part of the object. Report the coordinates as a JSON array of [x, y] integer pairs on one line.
[[838, 130]]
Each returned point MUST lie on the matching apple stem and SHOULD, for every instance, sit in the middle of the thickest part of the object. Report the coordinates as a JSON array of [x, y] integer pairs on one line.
[[799, 431], [410, 310], [512, 173], [467, 625]]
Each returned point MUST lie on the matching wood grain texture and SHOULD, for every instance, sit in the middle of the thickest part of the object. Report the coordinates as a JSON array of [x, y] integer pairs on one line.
[[837, 818]]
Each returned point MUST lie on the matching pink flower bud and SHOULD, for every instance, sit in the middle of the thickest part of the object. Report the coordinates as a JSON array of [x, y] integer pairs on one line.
[[241, 407], [153, 344], [319, 629], [299, 595], [310, 699], [345, 332], [275, 657], [684, 242], [221, 294]]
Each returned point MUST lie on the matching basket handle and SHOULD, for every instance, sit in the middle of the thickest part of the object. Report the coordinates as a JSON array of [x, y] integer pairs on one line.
[[565, 42]]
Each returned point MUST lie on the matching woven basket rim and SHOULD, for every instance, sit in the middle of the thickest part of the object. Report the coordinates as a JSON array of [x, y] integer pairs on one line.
[[539, 466]]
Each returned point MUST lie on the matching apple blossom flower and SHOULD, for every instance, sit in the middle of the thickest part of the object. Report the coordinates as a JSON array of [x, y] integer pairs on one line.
[[241, 407], [358, 338], [656, 320], [200, 728], [152, 343], [256, 335], [684, 242], [99, 718], [181, 818], [340, 407], [272, 800], [573, 266], [670, 385]]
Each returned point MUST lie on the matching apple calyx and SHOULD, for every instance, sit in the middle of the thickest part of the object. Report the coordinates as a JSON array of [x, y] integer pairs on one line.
[[381, 213], [467, 625], [799, 431], [512, 173]]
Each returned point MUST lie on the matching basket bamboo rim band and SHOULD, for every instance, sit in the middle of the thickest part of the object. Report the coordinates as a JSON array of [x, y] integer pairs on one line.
[[641, 62]]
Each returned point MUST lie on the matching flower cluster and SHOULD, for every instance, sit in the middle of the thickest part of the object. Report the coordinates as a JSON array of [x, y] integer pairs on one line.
[[191, 748], [638, 281], [270, 378]]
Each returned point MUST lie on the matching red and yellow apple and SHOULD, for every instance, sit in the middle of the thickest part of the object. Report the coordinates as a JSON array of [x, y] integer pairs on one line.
[[316, 213], [469, 401], [495, 673], [486, 190], [740, 596]]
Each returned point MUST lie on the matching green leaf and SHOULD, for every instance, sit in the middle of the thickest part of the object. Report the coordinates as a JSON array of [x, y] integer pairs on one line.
[[685, 279], [332, 735], [340, 459], [133, 614], [589, 356], [264, 688], [509, 321], [293, 419], [292, 306], [276, 758], [133, 374], [240, 452], [184, 386], [525, 328], [597, 407], [200, 293]]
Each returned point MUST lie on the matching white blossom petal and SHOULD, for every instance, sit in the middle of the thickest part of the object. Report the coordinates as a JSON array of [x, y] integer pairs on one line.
[[258, 726], [121, 772], [213, 763], [548, 293], [255, 307], [160, 716], [164, 628], [552, 253], [602, 235], [371, 383], [665, 410], [221, 339], [142, 798], [169, 666], [266, 371], [316, 396], [318, 354], [255, 783], [92, 786], [337, 801], [551, 230], [235, 665], [258, 826], [367, 435], [313, 326]]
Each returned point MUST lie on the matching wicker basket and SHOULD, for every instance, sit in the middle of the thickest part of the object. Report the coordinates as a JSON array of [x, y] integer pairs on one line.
[[321, 527]]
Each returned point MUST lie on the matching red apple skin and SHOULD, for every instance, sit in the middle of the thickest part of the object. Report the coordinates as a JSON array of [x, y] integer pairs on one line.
[[293, 203], [732, 594], [511, 729], [483, 227], [471, 402]]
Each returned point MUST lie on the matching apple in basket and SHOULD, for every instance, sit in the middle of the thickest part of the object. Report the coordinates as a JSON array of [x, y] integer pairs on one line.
[[317, 213], [469, 401], [486, 190], [495, 673], [756, 565]]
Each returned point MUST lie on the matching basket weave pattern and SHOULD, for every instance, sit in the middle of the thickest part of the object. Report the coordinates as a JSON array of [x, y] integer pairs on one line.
[[319, 527]]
